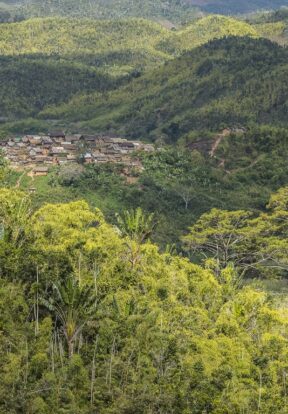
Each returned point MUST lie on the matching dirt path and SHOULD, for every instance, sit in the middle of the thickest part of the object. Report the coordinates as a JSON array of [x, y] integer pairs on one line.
[[29, 174], [218, 141], [244, 168], [17, 185]]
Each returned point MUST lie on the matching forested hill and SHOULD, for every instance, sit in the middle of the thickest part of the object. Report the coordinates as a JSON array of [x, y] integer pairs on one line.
[[232, 81], [72, 37], [172, 10], [236, 6], [46, 62]]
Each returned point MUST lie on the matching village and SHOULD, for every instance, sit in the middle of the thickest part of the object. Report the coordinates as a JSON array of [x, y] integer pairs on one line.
[[40, 152]]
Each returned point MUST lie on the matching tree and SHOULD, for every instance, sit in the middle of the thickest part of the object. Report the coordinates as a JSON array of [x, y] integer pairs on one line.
[[221, 235], [273, 231], [137, 225], [73, 306], [15, 214], [185, 190]]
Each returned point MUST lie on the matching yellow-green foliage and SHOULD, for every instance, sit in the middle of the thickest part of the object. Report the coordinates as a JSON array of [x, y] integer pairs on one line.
[[70, 37], [270, 29], [64, 36], [36, 55], [208, 28], [223, 83], [118, 327], [109, 9]]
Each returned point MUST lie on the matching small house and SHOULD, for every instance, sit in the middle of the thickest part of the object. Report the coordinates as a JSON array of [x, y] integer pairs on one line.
[[40, 171], [69, 146], [73, 138], [47, 141], [59, 151], [34, 140], [71, 158], [57, 134]]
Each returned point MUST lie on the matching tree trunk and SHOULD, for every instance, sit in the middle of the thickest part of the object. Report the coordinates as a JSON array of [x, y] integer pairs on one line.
[[70, 347]]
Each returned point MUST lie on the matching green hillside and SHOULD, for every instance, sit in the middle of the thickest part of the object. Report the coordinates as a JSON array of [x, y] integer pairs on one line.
[[74, 38], [37, 53], [273, 25], [32, 83], [177, 11], [232, 81], [47, 61], [205, 29], [150, 281], [173, 10], [236, 6]]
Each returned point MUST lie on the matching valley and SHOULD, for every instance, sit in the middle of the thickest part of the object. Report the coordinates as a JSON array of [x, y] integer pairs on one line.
[[143, 206], [135, 79]]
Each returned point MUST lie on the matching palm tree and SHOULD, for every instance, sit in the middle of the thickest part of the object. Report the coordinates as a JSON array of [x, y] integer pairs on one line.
[[73, 306], [137, 225]]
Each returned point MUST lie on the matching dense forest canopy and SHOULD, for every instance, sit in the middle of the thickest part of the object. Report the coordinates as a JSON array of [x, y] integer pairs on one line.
[[94, 317]]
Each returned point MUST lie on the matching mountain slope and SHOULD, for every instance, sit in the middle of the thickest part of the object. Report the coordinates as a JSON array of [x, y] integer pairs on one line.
[[205, 29], [37, 53], [173, 10], [232, 81], [74, 37], [236, 6], [30, 83], [47, 61]]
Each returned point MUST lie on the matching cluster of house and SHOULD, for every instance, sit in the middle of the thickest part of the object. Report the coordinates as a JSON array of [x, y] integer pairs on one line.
[[41, 151]]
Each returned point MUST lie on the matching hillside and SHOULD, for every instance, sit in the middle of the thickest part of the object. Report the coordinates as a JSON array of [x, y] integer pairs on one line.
[[176, 11], [235, 6], [273, 25], [205, 29], [143, 207], [39, 52], [47, 61], [104, 40], [97, 42], [232, 81], [171, 10], [31, 83]]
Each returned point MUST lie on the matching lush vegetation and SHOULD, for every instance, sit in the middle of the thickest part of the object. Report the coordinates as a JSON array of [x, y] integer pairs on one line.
[[78, 58], [178, 184], [243, 6], [94, 318], [175, 10], [47, 61], [31, 83], [227, 82]]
